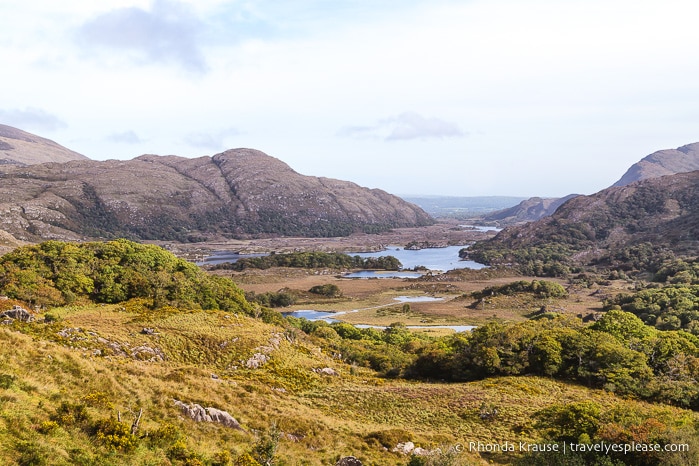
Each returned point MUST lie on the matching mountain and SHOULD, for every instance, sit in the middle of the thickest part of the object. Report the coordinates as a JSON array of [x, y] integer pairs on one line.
[[663, 162], [529, 210], [661, 213], [18, 147], [460, 206], [240, 192]]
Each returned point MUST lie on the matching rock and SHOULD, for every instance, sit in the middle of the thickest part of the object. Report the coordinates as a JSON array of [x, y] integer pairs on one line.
[[421, 452], [222, 417], [404, 448], [348, 461], [326, 371], [146, 353], [256, 361], [147, 331], [194, 411], [18, 313], [200, 414]]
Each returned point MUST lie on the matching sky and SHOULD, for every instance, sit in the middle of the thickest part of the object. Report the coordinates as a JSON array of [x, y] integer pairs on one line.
[[442, 97]]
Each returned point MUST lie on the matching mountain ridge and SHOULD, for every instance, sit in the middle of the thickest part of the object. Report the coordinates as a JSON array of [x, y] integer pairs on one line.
[[237, 193], [663, 162], [660, 212], [19, 147]]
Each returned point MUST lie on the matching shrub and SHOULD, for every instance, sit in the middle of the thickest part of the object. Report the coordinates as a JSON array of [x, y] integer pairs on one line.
[[115, 435], [329, 290]]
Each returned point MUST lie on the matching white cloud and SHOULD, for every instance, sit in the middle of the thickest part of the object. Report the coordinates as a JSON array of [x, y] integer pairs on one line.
[[405, 126], [31, 119], [127, 137], [562, 85], [168, 32], [211, 140]]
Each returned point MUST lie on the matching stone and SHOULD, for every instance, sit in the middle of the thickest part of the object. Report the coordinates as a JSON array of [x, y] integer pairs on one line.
[[146, 353], [256, 361], [404, 448], [348, 461], [200, 414], [326, 371], [224, 418], [18, 313]]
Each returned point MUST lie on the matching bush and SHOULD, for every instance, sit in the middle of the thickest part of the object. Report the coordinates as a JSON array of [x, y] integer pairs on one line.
[[389, 438], [329, 290], [55, 273], [115, 435], [540, 288]]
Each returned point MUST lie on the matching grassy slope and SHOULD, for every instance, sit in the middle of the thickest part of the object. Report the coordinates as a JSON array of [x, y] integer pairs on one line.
[[326, 416]]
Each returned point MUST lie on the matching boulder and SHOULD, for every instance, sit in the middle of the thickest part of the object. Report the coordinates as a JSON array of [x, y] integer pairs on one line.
[[404, 448], [256, 361], [348, 461], [200, 414], [222, 417], [18, 313], [326, 371]]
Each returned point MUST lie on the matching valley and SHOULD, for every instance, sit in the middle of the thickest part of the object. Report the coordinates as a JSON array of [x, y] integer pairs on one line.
[[574, 328]]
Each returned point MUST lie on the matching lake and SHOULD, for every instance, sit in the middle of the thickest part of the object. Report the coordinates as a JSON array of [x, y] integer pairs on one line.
[[221, 257], [329, 316], [435, 259]]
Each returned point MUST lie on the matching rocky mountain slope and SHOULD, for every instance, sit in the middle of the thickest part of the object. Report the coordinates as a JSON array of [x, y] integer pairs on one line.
[[236, 193], [18, 147], [529, 210], [661, 212], [663, 162]]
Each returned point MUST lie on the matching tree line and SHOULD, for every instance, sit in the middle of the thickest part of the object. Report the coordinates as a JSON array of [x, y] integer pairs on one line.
[[56, 273], [312, 260]]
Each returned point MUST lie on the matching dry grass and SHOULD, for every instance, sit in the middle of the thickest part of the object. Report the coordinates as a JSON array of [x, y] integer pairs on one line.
[[325, 416]]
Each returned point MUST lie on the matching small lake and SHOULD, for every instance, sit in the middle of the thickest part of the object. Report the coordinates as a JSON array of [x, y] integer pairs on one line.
[[221, 257], [329, 316], [436, 259], [482, 228]]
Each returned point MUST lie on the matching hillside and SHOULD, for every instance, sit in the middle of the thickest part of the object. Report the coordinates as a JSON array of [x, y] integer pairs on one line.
[[663, 162], [113, 376], [529, 210], [241, 192], [18, 147], [660, 212]]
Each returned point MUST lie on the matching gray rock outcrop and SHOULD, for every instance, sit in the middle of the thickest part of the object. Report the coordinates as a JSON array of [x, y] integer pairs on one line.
[[17, 313], [200, 414]]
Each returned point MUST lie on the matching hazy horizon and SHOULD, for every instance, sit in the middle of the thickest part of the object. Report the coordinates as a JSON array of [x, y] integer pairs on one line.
[[451, 98]]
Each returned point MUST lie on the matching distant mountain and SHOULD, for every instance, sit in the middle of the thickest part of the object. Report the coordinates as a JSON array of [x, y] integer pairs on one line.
[[462, 206], [664, 162], [18, 147], [659, 212], [529, 210], [237, 193]]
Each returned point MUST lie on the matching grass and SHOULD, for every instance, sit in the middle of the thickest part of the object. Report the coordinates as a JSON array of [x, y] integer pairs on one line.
[[43, 374]]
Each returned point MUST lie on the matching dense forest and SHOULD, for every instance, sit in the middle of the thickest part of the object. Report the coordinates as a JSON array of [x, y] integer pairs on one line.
[[312, 259], [56, 273]]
